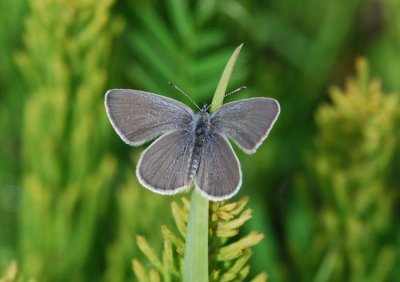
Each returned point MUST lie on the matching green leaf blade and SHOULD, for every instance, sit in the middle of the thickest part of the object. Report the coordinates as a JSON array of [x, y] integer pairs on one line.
[[223, 82], [195, 265]]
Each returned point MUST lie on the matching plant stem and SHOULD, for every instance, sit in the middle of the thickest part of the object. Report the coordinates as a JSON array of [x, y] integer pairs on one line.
[[223, 82], [195, 265]]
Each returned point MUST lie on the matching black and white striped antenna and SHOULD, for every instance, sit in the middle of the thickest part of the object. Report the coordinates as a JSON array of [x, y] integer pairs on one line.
[[226, 95], [186, 95]]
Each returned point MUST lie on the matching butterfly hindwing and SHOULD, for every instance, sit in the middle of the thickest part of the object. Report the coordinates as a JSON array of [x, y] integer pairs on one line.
[[164, 165], [219, 175]]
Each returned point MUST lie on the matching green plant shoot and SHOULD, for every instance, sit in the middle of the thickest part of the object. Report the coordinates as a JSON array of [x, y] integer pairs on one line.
[[195, 266]]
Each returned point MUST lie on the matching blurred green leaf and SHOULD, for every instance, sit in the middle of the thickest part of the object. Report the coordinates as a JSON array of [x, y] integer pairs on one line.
[[189, 54]]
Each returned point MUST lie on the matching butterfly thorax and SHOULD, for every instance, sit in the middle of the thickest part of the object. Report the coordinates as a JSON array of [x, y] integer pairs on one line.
[[202, 129], [203, 126]]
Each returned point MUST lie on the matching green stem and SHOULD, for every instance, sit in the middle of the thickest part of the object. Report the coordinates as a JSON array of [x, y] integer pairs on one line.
[[223, 82], [195, 265]]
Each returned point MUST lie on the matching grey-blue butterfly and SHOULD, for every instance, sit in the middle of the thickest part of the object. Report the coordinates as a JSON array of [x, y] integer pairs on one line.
[[191, 147]]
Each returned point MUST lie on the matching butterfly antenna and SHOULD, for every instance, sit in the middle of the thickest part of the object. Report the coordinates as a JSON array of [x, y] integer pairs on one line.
[[226, 95], [186, 95], [235, 91]]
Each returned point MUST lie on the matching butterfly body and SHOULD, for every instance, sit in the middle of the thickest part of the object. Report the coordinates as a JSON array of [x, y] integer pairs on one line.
[[203, 126], [203, 131], [191, 147]]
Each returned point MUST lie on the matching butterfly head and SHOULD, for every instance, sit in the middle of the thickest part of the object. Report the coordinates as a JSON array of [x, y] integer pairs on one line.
[[205, 108]]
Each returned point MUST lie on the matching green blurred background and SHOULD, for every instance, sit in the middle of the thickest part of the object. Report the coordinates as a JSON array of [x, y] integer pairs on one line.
[[324, 186]]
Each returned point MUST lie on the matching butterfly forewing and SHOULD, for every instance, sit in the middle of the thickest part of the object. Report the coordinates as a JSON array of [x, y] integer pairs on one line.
[[164, 165], [139, 116], [247, 122], [219, 175]]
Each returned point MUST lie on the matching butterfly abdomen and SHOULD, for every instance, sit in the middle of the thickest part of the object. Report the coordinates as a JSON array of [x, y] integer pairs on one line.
[[195, 162]]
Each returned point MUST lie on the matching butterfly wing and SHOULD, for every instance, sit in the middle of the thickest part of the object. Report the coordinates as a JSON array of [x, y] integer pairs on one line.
[[164, 166], [247, 122], [139, 116], [219, 175]]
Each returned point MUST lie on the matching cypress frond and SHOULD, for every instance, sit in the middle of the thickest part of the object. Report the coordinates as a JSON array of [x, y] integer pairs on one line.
[[355, 148], [229, 250], [67, 174]]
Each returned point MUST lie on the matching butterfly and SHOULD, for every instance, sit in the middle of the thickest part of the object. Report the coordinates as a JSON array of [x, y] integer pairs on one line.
[[190, 147]]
